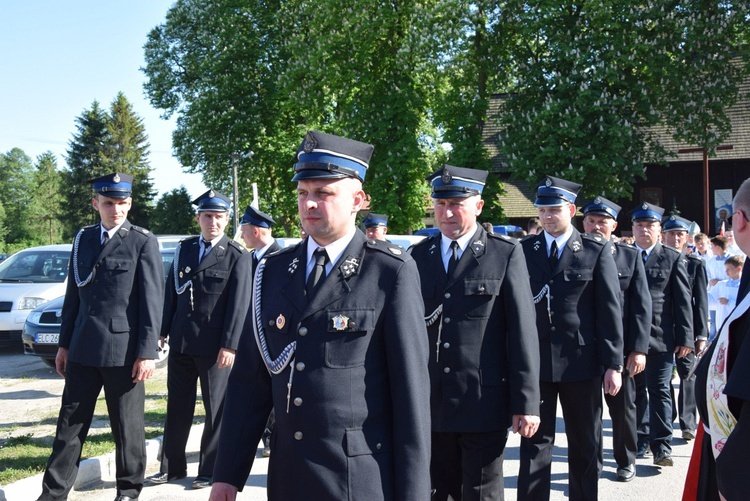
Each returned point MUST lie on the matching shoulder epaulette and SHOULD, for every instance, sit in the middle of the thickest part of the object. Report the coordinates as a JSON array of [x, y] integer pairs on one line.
[[527, 237], [594, 237], [139, 229], [503, 238], [425, 240], [388, 248], [237, 246], [282, 251], [672, 249]]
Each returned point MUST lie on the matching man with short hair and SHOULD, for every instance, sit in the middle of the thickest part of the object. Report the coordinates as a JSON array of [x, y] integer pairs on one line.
[[534, 226], [108, 338], [600, 217], [671, 332], [484, 367], [336, 344], [574, 284], [376, 226]]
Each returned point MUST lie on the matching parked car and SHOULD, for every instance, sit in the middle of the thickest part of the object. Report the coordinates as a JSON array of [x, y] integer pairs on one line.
[[29, 278], [169, 241], [41, 330], [404, 241]]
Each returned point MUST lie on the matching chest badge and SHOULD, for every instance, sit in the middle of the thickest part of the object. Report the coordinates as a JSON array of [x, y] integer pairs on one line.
[[537, 245], [293, 265], [350, 267], [280, 321], [576, 245], [340, 322]]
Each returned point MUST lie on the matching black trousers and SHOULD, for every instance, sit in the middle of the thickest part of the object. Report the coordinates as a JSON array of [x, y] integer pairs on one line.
[[581, 403], [125, 406], [183, 374], [468, 466], [684, 407], [624, 432]]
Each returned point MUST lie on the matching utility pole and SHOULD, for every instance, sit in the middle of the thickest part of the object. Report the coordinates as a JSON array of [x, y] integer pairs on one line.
[[235, 190]]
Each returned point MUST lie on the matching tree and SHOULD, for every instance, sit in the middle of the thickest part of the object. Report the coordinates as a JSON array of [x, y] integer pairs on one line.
[[16, 183], [47, 200], [174, 214]]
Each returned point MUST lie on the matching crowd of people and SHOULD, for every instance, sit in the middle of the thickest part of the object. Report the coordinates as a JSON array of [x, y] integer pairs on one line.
[[369, 371]]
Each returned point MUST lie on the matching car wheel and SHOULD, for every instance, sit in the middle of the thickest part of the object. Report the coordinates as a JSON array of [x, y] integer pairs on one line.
[[162, 356], [49, 361]]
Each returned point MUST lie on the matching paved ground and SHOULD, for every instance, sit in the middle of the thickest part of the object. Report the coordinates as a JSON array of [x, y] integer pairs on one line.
[[38, 397]]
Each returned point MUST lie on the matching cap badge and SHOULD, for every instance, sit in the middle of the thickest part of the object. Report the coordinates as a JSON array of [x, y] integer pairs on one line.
[[340, 322], [211, 193], [598, 200], [280, 321], [673, 218], [548, 183], [116, 179], [644, 206], [446, 177], [310, 143]]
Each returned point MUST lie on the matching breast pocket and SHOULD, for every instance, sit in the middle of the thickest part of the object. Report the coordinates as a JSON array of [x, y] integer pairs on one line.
[[116, 273], [348, 337], [479, 294], [214, 280]]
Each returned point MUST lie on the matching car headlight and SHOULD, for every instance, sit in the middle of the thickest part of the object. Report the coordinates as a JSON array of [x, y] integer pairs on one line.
[[29, 303], [34, 317]]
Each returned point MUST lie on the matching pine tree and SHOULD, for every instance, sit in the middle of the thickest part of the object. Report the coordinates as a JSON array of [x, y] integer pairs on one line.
[[174, 214]]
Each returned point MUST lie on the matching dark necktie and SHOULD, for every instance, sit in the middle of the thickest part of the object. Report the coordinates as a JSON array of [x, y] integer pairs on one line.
[[105, 238], [645, 256], [553, 258], [318, 271], [453, 261], [255, 261], [206, 248]]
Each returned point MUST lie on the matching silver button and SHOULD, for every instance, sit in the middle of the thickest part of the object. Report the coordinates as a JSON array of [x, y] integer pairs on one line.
[[447, 295], [552, 328], [551, 282], [379, 446], [481, 288], [297, 401], [298, 435], [447, 320], [271, 323], [447, 370], [302, 331], [300, 366], [446, 345]]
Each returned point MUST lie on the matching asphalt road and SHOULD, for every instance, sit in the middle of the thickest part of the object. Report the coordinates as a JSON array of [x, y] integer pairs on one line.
[[664, 484]]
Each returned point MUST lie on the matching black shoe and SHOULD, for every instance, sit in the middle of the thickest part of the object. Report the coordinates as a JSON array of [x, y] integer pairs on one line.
[[626, 473], [125, 498], [266, 451], [163, 478], [663, 459], [643, 450], [201, 482], [688, 435]]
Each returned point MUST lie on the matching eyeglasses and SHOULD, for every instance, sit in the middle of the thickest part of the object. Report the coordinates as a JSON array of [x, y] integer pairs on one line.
[[740, 211]]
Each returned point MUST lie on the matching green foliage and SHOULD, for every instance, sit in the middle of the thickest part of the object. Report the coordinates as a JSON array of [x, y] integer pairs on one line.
[[104, 143], [174, 214], [46, 192]]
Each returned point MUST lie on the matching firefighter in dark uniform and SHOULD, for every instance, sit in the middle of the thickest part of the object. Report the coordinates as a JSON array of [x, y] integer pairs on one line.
[[675, 230], [255, 228], [575, 287], [600, 217], [108, 338], [206, 301], [376, 226], [671, 332], [337, 345], [484, 356]]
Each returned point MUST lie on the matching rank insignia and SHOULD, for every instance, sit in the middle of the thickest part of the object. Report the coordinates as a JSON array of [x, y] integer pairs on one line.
[[477, 246], [187, 269], [280, 321], [576, 246], [293, 265], [537, 244], [432, 248], [395, 250], [350, 266], [340, 322]]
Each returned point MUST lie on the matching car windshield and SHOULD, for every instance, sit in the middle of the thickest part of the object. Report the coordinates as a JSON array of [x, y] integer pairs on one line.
[[35, 267]]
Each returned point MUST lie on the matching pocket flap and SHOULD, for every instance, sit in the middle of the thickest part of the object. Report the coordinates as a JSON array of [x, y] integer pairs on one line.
[[482, 286], [580, 274], [359, 444]]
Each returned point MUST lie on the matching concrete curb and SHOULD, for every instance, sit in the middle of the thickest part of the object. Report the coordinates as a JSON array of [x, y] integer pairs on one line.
[[93, 470]]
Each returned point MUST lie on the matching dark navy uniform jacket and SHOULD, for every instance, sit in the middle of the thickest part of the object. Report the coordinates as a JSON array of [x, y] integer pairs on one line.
[[115, 318], [352, 404], [696, 268], [634, 297], [215, 316], [275, 247], [669, 285], [584, 336], [486, 366]]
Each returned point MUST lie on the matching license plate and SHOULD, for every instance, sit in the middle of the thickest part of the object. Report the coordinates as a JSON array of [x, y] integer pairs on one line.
[[43, 338]]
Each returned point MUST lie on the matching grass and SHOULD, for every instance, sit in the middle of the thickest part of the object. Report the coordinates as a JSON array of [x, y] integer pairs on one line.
[[26, 455]]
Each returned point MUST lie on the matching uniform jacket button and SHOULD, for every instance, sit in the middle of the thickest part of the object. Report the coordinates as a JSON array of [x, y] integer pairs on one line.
[[297, 401], [447, 320], [447, 295], [300, 366], [302, 331], [298, 435], [446, 345], [379, 446], [271, 323], [447, 370]]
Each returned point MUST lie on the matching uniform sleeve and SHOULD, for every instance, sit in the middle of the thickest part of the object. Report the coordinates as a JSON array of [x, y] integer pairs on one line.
[[607, 309], [523, 340], [246, 408], [170, 302], [639, 310], [700, 302], [240, 281], [70, 308], [682, 305], [407, 351], [150, 283], [731, 464]]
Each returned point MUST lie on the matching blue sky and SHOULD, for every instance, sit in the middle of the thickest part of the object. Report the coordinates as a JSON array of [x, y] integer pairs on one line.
[[58, 57]]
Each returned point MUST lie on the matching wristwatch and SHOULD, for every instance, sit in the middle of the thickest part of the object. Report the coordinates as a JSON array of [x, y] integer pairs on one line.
[[616, 367]]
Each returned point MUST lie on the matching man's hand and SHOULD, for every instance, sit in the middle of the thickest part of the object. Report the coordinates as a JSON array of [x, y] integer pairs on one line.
[[724, 301], [612, 382], [225, 358], [162, 342], [635, 363], [526, 425], [682, 351], [699, 345], [223, 492], [143, 368], [61, 361]]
